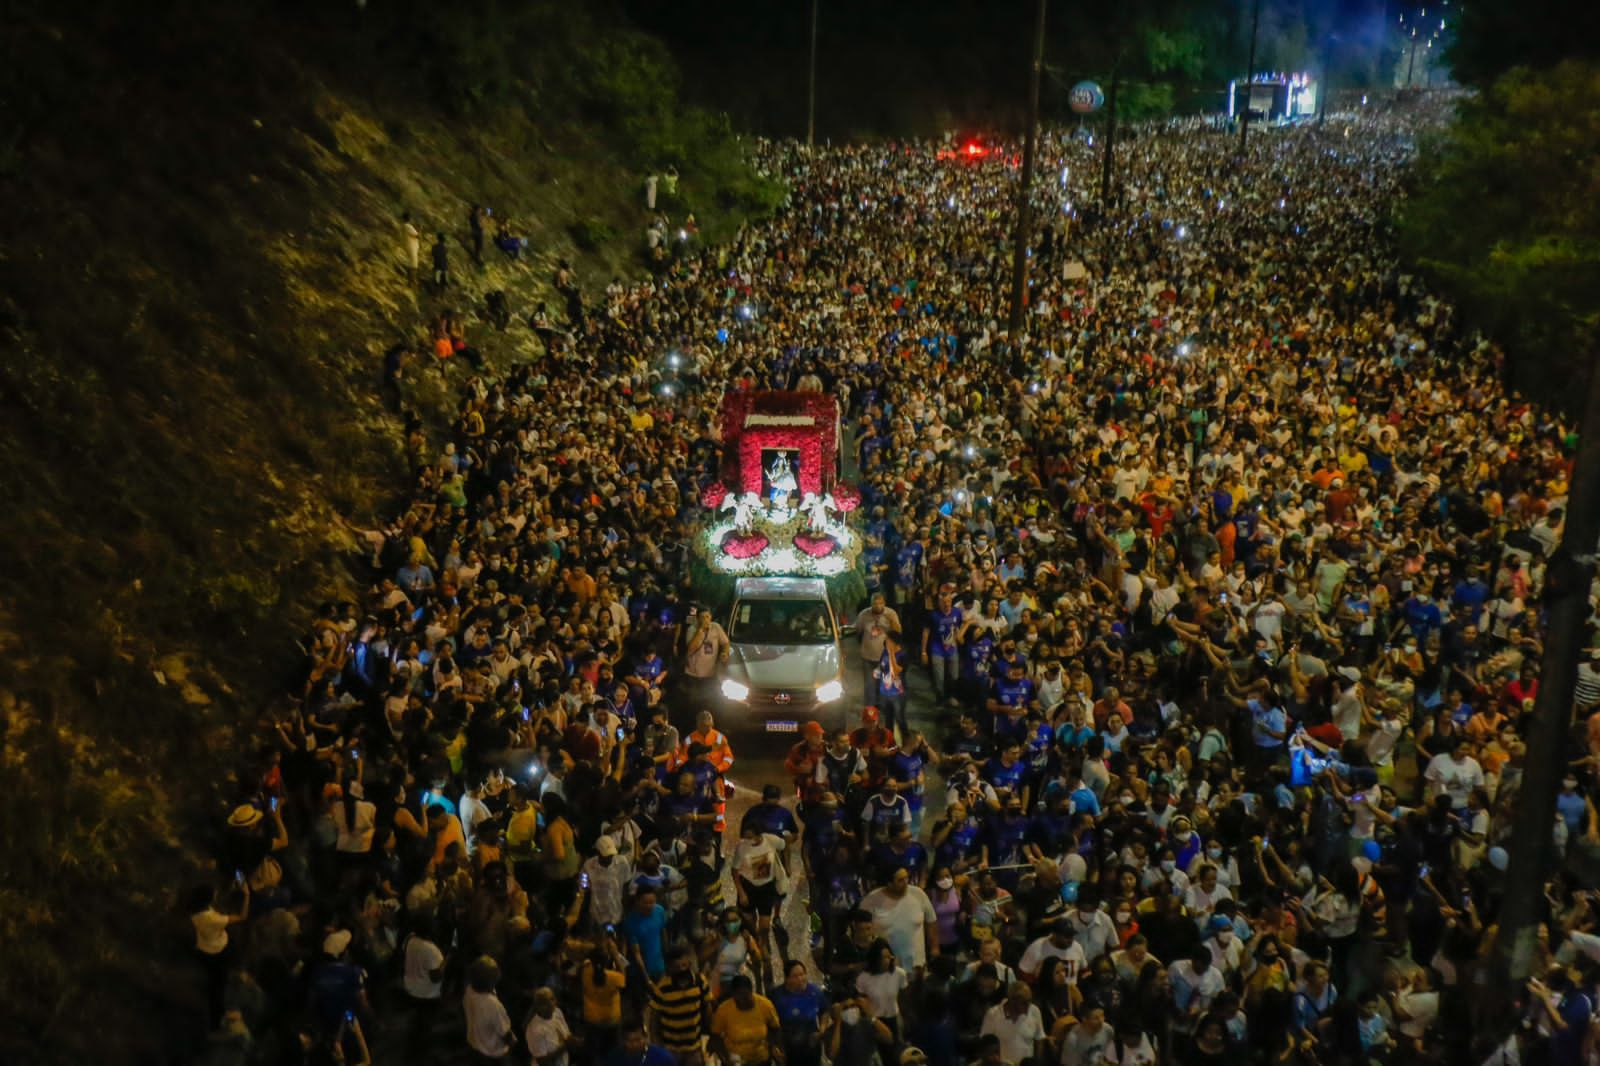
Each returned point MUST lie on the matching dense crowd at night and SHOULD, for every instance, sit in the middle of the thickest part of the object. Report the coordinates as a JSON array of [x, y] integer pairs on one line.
[[1223, 588]]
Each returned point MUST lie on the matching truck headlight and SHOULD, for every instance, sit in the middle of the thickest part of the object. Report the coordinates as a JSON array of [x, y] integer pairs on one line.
[[735, 691], [829, 691]]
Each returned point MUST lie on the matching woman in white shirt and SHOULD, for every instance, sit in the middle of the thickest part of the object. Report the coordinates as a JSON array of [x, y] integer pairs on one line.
[[211, 939], [354, 820], [881, 983]]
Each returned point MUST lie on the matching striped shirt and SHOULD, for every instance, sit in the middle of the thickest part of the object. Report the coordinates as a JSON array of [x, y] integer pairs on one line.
[[680, 1008], [1588, 688]]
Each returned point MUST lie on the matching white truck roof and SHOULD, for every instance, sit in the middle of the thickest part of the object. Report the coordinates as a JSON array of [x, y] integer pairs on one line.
[[781, 588]]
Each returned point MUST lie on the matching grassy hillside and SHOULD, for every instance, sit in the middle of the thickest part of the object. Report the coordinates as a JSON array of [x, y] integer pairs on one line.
[[200, 268]]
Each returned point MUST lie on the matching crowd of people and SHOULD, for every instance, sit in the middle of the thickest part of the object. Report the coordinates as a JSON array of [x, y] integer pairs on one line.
[[1218, 595]]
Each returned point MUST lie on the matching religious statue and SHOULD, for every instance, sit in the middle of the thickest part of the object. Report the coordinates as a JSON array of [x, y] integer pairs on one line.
[[781, 479]]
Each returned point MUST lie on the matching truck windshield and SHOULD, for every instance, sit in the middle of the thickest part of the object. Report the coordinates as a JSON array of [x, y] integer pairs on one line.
[[781, 622]]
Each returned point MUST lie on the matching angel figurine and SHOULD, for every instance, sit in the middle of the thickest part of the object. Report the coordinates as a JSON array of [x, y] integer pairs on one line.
[[817, 508], [744, 510]]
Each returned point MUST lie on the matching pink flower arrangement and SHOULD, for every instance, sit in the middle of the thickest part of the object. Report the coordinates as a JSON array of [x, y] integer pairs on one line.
[[816, 547], [846, 497], [741, 546], [714, 494]]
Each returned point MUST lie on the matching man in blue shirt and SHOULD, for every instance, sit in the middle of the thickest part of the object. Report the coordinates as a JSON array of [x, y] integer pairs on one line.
[[906, 768], [1269, 729], [875, 562], [770, 816], [1014, 696], [1471, 593], [977, 656], [1422, 617], [635, 1050], [1007, 771], [644, 929], [1571, 805], [939, 649], [908, 562]]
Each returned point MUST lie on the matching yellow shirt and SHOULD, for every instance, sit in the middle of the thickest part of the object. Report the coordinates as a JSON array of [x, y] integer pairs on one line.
[[602, 1002], [522, 834], [744, 1032]]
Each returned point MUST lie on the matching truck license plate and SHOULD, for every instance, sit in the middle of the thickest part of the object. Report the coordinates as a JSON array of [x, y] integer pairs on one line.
[[783, 727]]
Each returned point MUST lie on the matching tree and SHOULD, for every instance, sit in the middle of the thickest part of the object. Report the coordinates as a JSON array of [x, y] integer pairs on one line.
[[1491, 39], [1505, 216]]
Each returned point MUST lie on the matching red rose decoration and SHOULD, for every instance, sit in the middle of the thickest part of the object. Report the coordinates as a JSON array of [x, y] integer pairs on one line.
[[816, 547], [846, 498], [714, 494], [740, 546]]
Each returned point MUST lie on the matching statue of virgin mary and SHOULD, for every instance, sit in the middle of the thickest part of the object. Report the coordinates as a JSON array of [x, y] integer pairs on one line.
[[781, 479]]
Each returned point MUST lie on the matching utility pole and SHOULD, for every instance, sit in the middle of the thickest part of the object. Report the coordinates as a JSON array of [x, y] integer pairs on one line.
[[1111, 136], [810, 103], [1532, 845], [1250, 78], [1030, 152]]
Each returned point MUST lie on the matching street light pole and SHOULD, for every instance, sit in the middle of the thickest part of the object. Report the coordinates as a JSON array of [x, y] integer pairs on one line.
[[1030, 151], [811, 85], [1250, 78]]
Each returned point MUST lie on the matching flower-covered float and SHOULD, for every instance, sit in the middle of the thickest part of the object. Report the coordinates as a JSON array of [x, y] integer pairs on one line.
[[778, 507]]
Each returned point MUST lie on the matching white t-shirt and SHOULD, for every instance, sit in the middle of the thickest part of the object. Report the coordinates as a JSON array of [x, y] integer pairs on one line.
[[547, 1039], [1198, 990], [488, 1024], [1019, 1035], [900, 922], [883, 991], [1140, 1053], [1094, 932], [760, 862], [357, 838], [210, 931], [423, 957], [1042, 949], [472, 813], [1347, 713], [1455, 778], [1083, 1048]]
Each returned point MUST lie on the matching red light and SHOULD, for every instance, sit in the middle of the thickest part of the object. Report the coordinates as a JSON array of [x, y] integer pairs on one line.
[[973, 149]]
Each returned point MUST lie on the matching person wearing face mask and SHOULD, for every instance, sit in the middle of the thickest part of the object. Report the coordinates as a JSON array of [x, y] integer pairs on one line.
[[1164, 871], [853, 1035], [1571, 805], [1093, 928], [1217, 857], [1227, 950], [947, 908], [1125, 920], [1186, 843], [731, 953], [1204, 893]]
